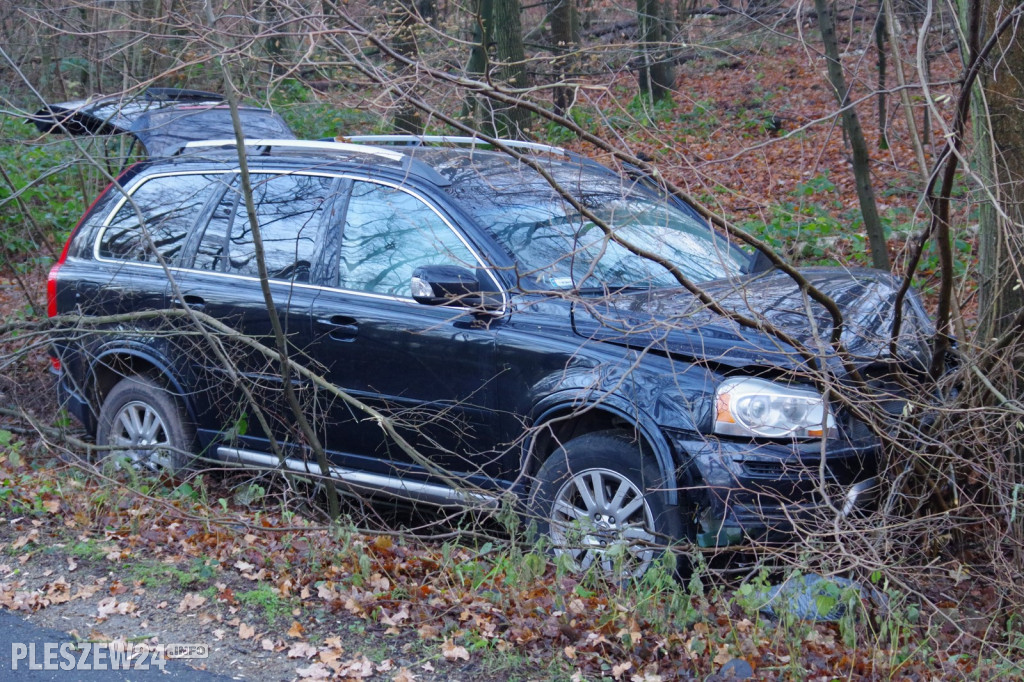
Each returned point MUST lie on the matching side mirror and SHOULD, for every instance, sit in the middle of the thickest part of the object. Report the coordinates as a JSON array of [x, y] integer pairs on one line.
[[445, 284]]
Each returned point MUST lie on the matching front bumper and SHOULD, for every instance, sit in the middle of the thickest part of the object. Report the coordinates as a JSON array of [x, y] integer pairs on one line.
[[746, 491]]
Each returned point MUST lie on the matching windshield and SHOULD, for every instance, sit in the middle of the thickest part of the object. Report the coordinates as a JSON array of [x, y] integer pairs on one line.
[[556, 248]]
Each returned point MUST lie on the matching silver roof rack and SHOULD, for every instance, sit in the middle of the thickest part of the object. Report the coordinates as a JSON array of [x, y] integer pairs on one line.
[[469, 141], [407, 162]]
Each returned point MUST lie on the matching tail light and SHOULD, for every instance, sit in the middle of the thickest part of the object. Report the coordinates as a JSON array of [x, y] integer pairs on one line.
[[51, 283], [51, 279]]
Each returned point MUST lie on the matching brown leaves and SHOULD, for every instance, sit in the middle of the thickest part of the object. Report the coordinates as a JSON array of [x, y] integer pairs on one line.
[[452, 652], [190, 602], [23, 540], [111, 606]]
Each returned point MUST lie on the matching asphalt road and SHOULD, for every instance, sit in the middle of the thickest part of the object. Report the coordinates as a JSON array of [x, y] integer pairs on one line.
[[17, 637]]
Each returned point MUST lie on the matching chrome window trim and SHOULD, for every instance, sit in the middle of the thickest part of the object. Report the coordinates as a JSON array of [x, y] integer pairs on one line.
[[429, 204], [131, 189]]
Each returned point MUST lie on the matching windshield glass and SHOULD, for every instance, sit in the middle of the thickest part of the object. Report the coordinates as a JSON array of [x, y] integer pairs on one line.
[[556, 248]]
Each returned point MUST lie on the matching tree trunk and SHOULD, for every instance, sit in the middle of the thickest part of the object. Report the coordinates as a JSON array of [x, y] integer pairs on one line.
[[403, 19], [657, 77], [851, 125], [478, 109], [508, 35], [565, 32], [883, 138], [1000, 248]]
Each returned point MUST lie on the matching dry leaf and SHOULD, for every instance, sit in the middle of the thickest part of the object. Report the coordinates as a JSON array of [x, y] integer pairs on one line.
[[190, 602], [428, 631], [620, 668], [357, 667], [107, 607], [317, 671], [454, 652], [403, 675], [296, 630], [246, 631], [302, 650]]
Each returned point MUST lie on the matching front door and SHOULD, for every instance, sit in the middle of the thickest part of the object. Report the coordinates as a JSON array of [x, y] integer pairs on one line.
[[429, 370]]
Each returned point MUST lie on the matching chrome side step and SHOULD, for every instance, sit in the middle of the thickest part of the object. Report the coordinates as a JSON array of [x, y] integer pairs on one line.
[[402, 488]]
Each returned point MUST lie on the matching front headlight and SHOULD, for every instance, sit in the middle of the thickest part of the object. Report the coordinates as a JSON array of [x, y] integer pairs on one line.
[[754, 407]]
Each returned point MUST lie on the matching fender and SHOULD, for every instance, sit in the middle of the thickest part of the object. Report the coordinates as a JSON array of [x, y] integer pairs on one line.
[[163, 367], [613, 404]]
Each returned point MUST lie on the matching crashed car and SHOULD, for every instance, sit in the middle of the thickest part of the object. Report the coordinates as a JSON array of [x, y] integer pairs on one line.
[[494, 327]]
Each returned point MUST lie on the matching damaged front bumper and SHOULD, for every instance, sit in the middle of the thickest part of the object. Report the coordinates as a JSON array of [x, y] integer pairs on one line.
[[747, 491]]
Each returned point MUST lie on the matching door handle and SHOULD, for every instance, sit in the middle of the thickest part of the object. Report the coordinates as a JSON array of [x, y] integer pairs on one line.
[[340, 327], [190, 301]]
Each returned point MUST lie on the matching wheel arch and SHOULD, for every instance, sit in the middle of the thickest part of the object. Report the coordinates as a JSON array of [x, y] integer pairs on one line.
[[114, 364], [567, 416]]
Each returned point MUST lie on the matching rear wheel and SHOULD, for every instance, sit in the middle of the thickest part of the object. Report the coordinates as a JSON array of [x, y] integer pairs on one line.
[[146, 422], [601, 502]]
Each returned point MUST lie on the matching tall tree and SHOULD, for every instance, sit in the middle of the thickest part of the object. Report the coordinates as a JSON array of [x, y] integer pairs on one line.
[[508, 35], [565, 33], [497, 24], [1001, 235], [403, 19], [855, 135], [656, 73]]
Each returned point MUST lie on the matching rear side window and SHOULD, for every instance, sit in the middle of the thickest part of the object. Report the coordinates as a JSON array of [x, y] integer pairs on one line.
[[169, 207], [289, 209]]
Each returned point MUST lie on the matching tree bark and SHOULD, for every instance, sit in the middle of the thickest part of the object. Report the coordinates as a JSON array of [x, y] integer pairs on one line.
[[657, 77], [403, 19], [1001, 233], [511, 121], [565, 32], [858, 147]]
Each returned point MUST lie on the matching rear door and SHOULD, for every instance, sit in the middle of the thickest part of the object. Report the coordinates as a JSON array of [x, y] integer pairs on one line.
[[222, 280]]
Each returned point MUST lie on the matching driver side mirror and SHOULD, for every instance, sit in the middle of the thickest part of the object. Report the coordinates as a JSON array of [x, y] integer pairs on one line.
[[447, 285]]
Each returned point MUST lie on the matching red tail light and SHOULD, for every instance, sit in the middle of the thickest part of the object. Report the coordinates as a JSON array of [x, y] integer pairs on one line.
[[51, 279], [51, 288]]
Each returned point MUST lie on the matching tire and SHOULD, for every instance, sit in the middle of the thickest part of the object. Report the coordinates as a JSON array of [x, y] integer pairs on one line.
[[147, 420], [597, 499]]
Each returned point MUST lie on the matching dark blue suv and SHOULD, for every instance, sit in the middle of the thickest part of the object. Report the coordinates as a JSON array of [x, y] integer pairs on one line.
[[494, 324]]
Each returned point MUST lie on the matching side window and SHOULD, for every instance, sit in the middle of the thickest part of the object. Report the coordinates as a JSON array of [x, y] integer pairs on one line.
[[169, 206], [289, 209], [389, 233]]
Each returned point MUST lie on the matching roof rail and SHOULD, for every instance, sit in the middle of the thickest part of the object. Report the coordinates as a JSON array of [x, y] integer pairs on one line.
[[405, 161], [158, 94], [470, 141]]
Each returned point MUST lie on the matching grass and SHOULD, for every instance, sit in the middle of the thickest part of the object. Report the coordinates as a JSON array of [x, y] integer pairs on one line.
[[267, 602], [197, 573]]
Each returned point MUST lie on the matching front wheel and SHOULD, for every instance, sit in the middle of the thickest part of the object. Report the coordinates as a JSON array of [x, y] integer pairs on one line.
[[145, 422], [601, 502]]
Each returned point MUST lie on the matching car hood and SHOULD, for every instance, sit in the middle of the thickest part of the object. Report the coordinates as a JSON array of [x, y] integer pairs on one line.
[[163, 119], [676, 322]]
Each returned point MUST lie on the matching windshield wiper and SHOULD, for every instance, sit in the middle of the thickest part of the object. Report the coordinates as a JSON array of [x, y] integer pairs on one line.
[[607, 290]]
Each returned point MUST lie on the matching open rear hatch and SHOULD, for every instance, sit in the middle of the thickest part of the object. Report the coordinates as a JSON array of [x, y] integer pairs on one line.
[[162, 119]]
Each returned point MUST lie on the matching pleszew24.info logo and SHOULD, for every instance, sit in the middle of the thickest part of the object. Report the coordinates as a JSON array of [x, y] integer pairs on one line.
[[100, 655]]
